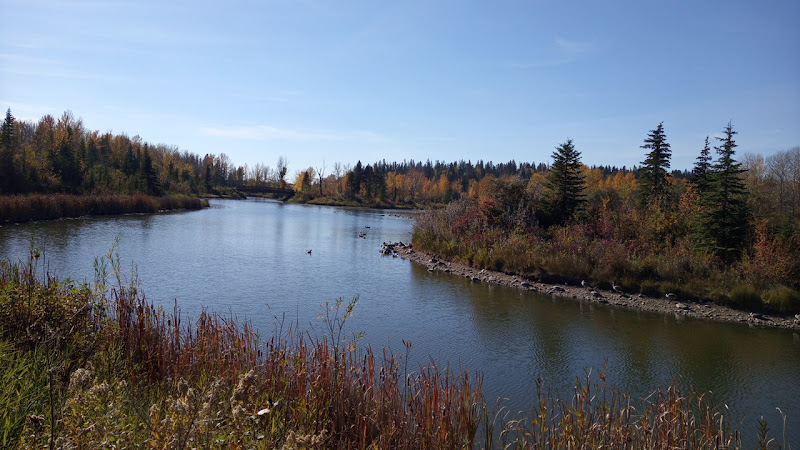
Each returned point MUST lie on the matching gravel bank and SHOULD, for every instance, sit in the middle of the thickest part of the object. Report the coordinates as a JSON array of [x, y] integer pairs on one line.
[[678, 307]]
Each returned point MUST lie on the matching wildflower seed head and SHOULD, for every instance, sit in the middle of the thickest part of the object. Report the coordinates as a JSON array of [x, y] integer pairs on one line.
[[243, 387], [153, 413], [238, 412], [214, 391], [180, 407], [205, 410], [80, 379], [183, 386], [99, 391]]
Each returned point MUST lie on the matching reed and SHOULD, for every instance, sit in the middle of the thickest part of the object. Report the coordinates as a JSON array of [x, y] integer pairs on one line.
[[108, 368], [26, 208], [598, 416]]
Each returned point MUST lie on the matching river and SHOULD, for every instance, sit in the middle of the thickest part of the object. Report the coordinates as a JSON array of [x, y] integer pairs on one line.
[[249, 259]]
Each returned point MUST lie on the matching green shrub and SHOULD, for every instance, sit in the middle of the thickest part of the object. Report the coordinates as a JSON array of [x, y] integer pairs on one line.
[[720, 298], [746, 296], [783, 299], [650, 287]]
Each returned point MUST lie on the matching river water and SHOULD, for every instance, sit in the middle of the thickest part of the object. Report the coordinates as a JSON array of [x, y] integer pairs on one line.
[[248, 259]]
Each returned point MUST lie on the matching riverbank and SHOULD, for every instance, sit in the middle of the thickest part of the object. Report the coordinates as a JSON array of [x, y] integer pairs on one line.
[[34, 207], [330, 201], [678, 307], [88, 365]]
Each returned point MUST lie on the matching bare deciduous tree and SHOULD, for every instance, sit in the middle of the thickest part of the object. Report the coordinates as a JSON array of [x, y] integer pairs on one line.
[[281, 168], [321, 175]]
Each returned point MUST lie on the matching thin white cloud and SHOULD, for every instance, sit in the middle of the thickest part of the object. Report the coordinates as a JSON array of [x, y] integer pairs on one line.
[[279, 96], [541, 64], [573, 47], [152, 36], [12, 58], [65, 73], [268, 132], [436, 139], [49, 68], [567, 51]]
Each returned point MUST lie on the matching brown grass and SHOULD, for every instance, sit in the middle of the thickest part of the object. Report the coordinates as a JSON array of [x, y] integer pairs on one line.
[[107, 368], [26, 208], [460, 232]]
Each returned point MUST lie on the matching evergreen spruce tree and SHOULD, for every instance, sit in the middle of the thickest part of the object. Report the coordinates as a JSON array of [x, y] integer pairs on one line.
[[380, 183], [368, 179], [565, 182], [724, 216], [148, 174], [354, 181], [653, 181], [702, 170], [8, 146], [207, 178], [68, 165]]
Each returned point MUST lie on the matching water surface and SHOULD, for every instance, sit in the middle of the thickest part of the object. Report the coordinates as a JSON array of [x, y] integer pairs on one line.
[[249, 259]]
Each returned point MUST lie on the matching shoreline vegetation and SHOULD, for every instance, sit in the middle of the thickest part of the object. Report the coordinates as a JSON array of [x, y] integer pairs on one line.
[[86, 366], [728, 235], [572, 289], [37, 207], [328, 201]]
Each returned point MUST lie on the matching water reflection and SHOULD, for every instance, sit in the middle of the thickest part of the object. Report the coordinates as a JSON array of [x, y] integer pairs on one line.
[[249, 258], [525, 336]]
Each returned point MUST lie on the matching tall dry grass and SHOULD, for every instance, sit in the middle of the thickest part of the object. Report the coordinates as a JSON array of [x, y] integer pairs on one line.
[[599, 416], [26, 208], [128, 372], [99, 366], [633, 259]]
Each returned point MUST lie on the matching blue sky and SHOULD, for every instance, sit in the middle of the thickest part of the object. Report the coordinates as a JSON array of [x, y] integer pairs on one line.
[[442, 80]]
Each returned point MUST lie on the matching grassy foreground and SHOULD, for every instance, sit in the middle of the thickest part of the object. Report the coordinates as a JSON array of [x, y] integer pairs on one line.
[[98, 366], [26, 208]]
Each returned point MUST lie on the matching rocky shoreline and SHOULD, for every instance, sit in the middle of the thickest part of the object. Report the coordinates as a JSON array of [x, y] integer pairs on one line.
[[678, 307]]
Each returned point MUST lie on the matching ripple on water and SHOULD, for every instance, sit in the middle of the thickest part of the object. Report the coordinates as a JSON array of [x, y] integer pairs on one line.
[[249, 258]]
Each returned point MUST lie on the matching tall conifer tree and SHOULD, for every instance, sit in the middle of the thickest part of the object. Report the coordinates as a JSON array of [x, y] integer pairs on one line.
[[565, 182], [702, 170], [653, 181], [148, 174], [354, 181], [8, 147], [725, 217]]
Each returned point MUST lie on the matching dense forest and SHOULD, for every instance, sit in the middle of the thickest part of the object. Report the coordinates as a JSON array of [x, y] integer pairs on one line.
[[417, 183], [61, 155]]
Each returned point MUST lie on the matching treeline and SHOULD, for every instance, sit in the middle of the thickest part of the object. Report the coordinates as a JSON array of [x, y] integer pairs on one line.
[[727, 231], [62, 156], [416, 183]]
